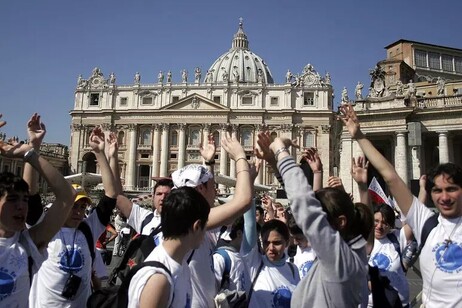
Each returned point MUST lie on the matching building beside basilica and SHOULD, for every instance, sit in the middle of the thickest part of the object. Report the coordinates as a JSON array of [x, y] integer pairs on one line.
[[161, 125], [413, 111]]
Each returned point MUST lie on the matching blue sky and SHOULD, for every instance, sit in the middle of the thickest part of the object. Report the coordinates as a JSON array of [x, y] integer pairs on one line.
[[46, 44]]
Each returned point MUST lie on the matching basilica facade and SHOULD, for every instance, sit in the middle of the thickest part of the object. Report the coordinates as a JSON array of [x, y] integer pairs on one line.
[[161, 125]]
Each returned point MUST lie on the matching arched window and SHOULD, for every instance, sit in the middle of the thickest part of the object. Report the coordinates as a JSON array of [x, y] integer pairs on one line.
[[174, 138], [145, 137], [246, 138], [195, 137], [121, 138], [216, 138]]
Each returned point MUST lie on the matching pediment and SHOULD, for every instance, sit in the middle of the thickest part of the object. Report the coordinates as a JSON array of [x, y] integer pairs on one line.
[[195, 102]]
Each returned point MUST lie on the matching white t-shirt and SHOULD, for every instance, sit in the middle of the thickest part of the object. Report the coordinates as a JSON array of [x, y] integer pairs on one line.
[[137, 216], [68, 252], [238, 275], [202, 271], [274, 285], [303, 259], [14, 268], [386, 258], [181, 292], [440, 264]]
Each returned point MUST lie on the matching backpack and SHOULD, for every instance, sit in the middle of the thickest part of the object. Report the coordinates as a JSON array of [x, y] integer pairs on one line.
[[117, 296], [392, 238], [137, 251], [383, 294], [234, 298]]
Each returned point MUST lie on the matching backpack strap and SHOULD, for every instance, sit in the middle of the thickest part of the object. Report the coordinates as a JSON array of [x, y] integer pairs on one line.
[[190, 256], [292, 268], [146, 220], [225, 278], [428, 226], [85, 228], [394, 240], [254, 281], [122, 293]]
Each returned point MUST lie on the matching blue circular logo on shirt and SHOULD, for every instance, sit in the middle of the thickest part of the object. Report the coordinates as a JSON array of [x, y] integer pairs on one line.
[[306, 267], [281, 297], [7, 283], [382, 261], [71, 261], [448, 257]]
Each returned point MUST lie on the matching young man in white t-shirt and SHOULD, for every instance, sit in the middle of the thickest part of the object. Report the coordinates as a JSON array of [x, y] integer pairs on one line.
[[22, 250], [440, 261], [305, 256], [64, 280], [184, 217]]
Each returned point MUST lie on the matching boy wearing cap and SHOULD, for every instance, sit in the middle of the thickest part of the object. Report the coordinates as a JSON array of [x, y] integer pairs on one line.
[[21, 249], [64, 280]]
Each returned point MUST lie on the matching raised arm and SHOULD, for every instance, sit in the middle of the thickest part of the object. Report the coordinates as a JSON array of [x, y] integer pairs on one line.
[[397, 187], [225, 214], [36, 132], [208, 150], [311, 156], [42, 233], [422, 191], [113, 158], [359, 174]]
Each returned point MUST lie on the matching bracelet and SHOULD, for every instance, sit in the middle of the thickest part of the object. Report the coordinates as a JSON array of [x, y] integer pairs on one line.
[[29, 154], [240, 159], [279, 151], [210, 162], [242, 171], [317, 171]]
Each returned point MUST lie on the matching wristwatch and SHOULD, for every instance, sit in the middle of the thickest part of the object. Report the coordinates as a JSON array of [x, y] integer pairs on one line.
[[30, 154]]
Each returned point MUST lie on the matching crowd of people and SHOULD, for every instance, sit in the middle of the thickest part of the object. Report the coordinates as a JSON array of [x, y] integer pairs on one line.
[[322, 249]]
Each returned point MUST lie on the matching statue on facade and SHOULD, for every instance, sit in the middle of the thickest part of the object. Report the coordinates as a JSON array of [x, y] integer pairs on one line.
[[411, 89], [399, 88], [327, 80], [137, 78], [345, 98], [96, 72], [80, 81], [160, 77], [208, 76], [440, 83], [197, 74], [377, 81], [112, 78], [299, 82], [289, 76], [225, 76], [169, 77], [358, 90], [184, 75]]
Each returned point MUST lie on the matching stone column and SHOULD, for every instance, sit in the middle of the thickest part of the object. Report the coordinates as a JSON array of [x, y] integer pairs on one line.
[[181, 145], [164, 150], [232, 163], [131, 167], [345, 163], [258, 128], [443, 146], [401, 156], [155, 151], [415, 162], [223, 155]]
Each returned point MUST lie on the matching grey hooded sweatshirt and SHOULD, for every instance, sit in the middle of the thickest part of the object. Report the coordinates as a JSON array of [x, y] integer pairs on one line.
[[339, 273]]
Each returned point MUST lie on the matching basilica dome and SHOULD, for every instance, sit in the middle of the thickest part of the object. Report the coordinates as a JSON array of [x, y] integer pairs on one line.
[[239, 64]]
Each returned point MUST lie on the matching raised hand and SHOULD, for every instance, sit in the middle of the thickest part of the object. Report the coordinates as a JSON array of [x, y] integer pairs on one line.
[[263, 151], [97, 140], [36, 131], [350, 119], [311, 156], [13, 149], [359, 170], [2, 123], [255, 166], [113, 145], [335, 182], [208, 149], [232, 146]]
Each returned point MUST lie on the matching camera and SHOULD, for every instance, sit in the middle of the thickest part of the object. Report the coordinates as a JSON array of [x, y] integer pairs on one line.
[[71, 286]]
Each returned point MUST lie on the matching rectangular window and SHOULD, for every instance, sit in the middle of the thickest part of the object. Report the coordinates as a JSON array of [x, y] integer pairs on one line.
[[217, 99], [458, 64], [420, 58], [274, 101], [246, 100], [172, 155], [147, 101], [175, 99], [308, 99], [308, 140], [94, 99], [434, 60], [144, 155], [447, 63], [123, 101]]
